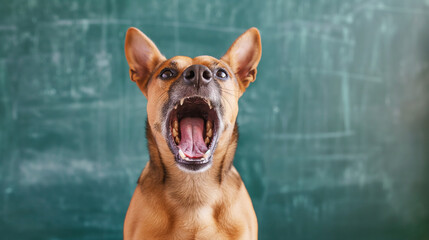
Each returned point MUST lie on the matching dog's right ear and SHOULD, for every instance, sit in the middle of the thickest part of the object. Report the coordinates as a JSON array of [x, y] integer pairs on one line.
[[142, 56]]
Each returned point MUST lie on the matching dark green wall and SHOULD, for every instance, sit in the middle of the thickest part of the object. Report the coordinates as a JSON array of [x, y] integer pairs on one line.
[[334, 137]]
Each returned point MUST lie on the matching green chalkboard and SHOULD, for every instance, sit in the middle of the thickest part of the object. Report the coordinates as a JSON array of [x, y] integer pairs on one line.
[[334, 133]]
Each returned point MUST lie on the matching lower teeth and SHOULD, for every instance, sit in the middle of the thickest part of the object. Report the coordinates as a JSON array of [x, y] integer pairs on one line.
[[184, 157]]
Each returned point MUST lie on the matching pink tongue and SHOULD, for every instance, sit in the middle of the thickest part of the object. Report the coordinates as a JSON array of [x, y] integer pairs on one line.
[[191, 141]]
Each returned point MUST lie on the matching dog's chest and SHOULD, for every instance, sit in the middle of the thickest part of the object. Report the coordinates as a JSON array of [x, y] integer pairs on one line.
[[200, 217], [198, 223]]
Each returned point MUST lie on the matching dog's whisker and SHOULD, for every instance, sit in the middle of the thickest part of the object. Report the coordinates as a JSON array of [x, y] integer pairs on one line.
[[225, 91], [229, 90], [228, 93], [161, 96], [226, 100]]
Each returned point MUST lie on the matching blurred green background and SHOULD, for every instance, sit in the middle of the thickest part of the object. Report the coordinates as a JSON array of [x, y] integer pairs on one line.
[[334, 137]]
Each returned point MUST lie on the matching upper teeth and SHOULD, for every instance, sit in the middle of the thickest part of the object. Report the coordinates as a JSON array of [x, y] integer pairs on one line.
[[209, 124], [183, 101], [175, 131], [209, 132], [208, 103]]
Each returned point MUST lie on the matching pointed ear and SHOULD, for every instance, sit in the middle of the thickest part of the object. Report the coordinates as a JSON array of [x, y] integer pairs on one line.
[[243, 57], [142, 56]]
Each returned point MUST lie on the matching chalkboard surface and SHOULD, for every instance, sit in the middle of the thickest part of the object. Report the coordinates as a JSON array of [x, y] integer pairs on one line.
[[334, 137]]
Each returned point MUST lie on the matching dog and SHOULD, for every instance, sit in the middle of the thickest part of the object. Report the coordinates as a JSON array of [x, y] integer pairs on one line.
[[189, 189]]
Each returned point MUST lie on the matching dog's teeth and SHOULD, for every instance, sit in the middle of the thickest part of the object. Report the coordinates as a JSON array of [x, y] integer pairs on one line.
[[182, 155], [208, 103], [175, 107], [207, 140], [176, 124], [209, 124], [209, 132], [207, 154], [177, 140], [181, 101], [175, 133]]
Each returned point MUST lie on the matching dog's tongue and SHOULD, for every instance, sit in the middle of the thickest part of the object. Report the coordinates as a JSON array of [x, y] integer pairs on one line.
[[191, 141]]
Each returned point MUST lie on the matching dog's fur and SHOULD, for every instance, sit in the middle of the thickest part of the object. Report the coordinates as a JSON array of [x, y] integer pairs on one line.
[[170, 202]]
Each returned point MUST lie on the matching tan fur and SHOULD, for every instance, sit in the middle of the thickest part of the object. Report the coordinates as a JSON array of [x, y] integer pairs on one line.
[[169, 203]]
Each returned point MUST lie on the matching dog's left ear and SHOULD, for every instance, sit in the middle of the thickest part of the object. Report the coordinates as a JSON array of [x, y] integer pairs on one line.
[[243, 57]]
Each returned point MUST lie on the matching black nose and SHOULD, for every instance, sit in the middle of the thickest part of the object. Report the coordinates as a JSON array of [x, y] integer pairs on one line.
[[197, 75]]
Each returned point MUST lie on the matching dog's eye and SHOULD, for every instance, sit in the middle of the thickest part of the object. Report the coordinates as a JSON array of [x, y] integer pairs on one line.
[[167, 74], [221, 73]]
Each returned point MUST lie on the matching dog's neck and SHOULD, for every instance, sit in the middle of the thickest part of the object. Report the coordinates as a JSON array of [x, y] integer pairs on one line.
[[191, 188]]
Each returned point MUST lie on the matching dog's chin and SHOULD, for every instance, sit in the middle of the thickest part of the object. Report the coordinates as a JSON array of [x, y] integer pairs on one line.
[[193, 168], [193, 126]]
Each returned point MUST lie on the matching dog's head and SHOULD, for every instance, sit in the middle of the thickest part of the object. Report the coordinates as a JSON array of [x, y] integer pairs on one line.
[[192, 102]]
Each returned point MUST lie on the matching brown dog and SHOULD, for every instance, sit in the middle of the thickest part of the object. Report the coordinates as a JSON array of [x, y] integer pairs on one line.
[[189, 189]]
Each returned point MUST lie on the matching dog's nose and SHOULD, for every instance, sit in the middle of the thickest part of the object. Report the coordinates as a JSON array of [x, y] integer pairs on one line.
[[197, 75]]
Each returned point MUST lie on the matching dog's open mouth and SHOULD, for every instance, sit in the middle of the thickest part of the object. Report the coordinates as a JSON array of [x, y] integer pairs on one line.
[[193, 132]]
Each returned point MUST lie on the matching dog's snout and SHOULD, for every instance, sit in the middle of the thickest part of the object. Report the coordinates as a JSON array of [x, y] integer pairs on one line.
[[197, 75]]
